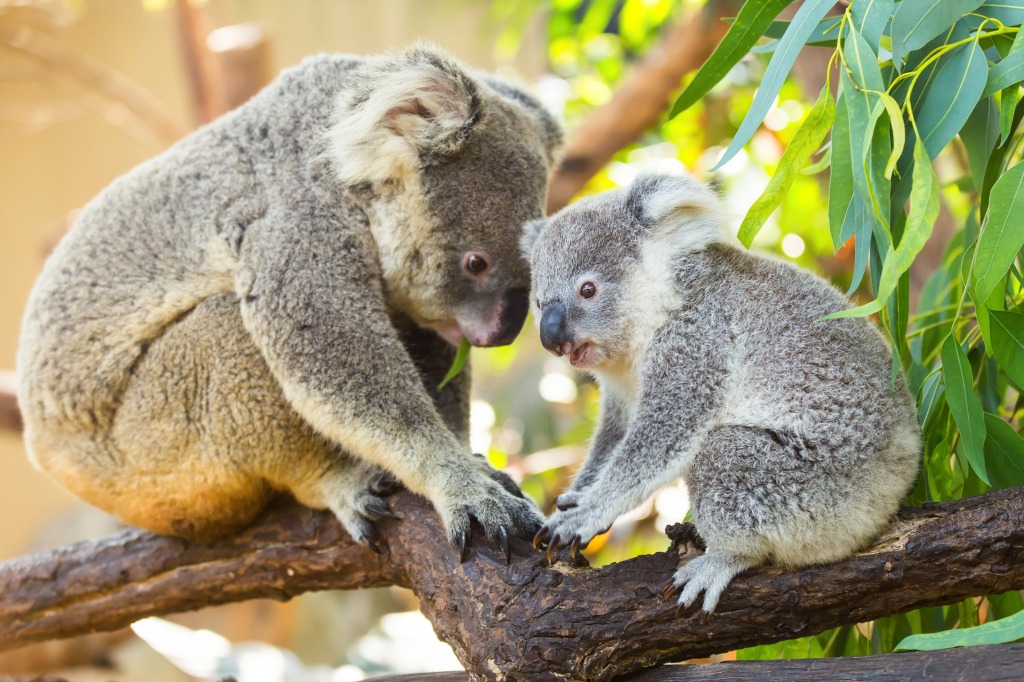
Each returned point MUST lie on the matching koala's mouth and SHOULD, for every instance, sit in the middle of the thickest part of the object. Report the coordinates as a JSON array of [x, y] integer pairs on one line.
[[585, 354], [450, 331]]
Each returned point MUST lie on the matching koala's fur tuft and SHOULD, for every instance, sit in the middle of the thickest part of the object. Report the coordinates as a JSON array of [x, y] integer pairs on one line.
[[270, 304], [715, 369]]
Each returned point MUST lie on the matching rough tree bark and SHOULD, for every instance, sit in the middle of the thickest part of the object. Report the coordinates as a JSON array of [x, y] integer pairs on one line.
[[640, 101], [526, 621]]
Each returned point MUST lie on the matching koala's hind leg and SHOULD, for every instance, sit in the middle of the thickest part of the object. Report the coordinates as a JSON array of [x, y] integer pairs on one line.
[[761, 495], [205, 437]]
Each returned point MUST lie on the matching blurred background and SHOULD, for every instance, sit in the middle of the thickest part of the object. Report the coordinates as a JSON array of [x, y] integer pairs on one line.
[[90, 88]]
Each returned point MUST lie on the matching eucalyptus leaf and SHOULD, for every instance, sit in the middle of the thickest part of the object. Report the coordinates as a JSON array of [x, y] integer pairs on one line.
[[824, 34], [950, 96], [980, 136], [918, 21], [1003, 234], [840, 184], [1007, 330], [1004, 453], [1008, 629], [1009, 12], [870, 17], [804, 22], [862, 84], [924, 209], [461, 356], [807, 139], [753, 20], [1009, 71], [964, 405]]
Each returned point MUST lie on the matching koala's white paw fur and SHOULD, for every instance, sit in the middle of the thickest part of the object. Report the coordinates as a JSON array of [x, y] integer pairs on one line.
[[358, 511], [709, 573]]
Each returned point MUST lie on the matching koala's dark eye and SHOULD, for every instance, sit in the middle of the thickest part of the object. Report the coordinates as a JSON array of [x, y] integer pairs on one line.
[[475, 264], [588, 289]]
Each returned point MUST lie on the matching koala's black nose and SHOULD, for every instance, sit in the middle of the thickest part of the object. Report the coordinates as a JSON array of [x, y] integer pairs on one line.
[[553, 334], [514, 306]]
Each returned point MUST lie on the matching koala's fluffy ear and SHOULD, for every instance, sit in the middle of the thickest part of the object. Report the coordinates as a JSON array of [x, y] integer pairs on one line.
[[679, 210], [531, 231], [409, 110]]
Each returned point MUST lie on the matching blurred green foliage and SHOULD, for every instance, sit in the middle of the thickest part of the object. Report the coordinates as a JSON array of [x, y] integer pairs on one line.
[[972, 140]]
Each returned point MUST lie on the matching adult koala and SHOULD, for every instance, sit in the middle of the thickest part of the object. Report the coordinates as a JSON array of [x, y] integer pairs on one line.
[[261, 307]]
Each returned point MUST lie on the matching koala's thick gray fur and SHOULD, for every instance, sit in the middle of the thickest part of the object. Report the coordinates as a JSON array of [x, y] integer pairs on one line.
[[714, 368], [264, 306]]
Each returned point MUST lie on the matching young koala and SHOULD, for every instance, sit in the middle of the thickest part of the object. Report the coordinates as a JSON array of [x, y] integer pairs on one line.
[[714, 367], [271, 304]]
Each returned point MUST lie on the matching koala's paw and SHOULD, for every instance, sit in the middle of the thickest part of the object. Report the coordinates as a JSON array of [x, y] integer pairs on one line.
[[501, 513], [709, 573], [357, 513], [574, 528]]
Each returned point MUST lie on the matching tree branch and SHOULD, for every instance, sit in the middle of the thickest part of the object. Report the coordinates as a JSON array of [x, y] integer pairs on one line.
[[997, 663], [640, 102], [526, 621]]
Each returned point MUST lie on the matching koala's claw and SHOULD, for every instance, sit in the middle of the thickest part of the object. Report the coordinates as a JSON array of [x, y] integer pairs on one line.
[[370, 541], [574, 547], [504, 544], [668, 589], [379, 508], [540, 540]]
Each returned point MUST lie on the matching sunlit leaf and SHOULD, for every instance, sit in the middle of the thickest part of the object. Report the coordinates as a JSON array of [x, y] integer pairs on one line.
[[803, 24], [461, 356], [997, 632], [753, 19], [807, 139], [1003, 233], [1004, 453], [964, 405], [918, 21], [899, 132], [1007, 330]]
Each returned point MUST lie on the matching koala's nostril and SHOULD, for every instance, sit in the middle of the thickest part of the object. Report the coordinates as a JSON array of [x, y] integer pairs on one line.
[[553, 334], [514, 307]]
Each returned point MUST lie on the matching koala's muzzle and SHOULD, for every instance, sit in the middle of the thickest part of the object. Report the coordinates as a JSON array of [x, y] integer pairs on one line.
[[514, 306], [554, 334]]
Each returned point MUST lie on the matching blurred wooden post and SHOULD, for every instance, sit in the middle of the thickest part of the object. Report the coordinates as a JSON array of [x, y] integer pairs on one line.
[[225, 67], [10, 417], [241, 55]]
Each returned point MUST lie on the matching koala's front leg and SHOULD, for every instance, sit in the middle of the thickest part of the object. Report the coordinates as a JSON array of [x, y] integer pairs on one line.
[[644, 461], [611, 428], [311, 300], [658, 448]]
